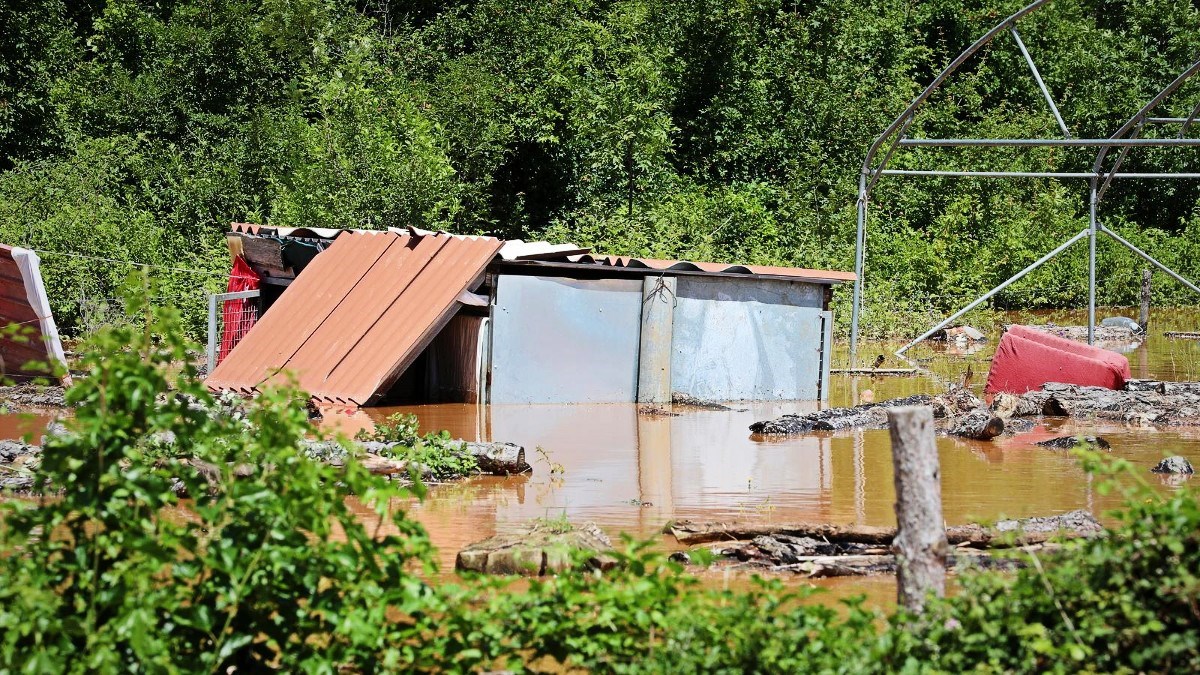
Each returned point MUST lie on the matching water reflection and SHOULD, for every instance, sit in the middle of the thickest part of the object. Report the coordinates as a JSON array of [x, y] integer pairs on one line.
[[632, 473]]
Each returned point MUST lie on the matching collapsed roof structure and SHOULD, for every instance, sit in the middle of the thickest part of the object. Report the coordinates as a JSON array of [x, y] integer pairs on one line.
[[358, 317]]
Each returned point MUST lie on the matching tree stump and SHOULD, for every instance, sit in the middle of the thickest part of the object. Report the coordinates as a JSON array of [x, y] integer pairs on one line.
[[920, 542]]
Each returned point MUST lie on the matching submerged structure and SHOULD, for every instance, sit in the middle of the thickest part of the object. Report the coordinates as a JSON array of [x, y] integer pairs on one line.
[[365, 317]]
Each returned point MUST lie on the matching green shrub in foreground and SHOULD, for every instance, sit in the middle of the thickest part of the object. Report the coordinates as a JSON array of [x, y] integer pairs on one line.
[[115, 573]]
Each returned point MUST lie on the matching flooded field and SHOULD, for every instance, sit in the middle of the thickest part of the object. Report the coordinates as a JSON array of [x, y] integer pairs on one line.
[[631, 474]]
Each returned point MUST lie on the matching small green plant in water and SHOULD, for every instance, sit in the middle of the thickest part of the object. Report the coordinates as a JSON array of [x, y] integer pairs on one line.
[[557, 525], [435, 452]]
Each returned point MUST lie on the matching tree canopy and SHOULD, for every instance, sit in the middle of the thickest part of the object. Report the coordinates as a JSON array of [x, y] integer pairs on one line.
[[728, 131]]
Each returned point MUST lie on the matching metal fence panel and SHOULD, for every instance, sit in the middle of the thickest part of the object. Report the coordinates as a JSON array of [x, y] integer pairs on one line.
[[752, 339], [557, 340], [226, 329]]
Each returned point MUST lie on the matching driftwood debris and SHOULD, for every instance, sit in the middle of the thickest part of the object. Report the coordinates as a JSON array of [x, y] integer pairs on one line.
[[496, 459], [1003, 534], [1148, 404], [979, 424], [1119, 334], [1071, 442], [865, 416], [852, 551], [961, 412], [539, 550], [848, 565]]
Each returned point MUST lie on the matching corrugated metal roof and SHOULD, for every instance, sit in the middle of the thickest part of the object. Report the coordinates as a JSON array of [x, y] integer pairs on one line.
[[23, 302], [298, 232], [713, 268], [516, 249], [358, 315]]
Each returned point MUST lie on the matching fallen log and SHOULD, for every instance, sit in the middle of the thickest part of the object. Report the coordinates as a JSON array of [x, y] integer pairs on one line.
[[496, 459], [817, 567], [1146, 405], [1004, 534], [957, 408], [500, 459], [865, 416], [979, 424]]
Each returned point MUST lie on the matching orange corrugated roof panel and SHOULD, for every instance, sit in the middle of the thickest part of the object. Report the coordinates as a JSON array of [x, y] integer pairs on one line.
[[349, 326]]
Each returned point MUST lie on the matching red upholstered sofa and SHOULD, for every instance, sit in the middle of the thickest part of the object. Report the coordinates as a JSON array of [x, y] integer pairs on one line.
[[1027, 358]]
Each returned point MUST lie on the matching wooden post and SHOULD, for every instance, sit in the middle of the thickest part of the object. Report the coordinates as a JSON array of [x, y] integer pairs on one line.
[[1144, 313], [920, 542], [654, 351]]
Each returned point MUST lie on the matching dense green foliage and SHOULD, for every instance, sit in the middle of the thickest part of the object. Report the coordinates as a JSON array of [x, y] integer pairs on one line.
[[117, 574], [136, 130], [301, 566]]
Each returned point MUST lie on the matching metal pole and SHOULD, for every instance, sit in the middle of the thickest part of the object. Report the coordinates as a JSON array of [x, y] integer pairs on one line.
[[1150, 259], [1038, 78], [1049, 142], [859, 255], [1029, 174], [1040, 261], [212, 333], [1092, 265], [1117, 164], [887, 156], [910, 112], [1188, 122]]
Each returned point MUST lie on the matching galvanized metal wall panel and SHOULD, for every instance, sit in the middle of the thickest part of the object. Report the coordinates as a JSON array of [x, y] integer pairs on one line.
[[753, 339], [558, 340]]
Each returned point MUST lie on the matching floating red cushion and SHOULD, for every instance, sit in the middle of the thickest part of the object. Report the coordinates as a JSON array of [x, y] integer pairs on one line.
[[1022, 365], [1090, 351]]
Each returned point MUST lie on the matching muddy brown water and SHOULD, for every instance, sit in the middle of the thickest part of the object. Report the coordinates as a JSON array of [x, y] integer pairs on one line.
[[631, 474]]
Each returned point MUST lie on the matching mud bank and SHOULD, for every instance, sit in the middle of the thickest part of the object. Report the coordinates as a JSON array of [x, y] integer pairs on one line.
[[825, 550], [959, 413], [19, 461]]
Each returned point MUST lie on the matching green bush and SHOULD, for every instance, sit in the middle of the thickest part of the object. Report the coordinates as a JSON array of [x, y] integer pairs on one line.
[[279, 569], [115, 572]]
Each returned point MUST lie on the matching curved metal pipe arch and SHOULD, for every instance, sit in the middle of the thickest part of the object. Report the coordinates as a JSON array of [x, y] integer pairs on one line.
[[906, 118], [1123, 137]]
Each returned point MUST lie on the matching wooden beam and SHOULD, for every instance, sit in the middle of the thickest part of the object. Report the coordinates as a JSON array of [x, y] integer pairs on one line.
[[920, 542]]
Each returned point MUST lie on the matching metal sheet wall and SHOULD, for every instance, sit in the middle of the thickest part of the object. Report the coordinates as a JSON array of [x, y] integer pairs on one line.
[[558, 340], [752, 339]]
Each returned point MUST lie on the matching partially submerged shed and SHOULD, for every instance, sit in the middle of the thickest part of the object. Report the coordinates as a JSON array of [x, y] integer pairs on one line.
[[415, 316]]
